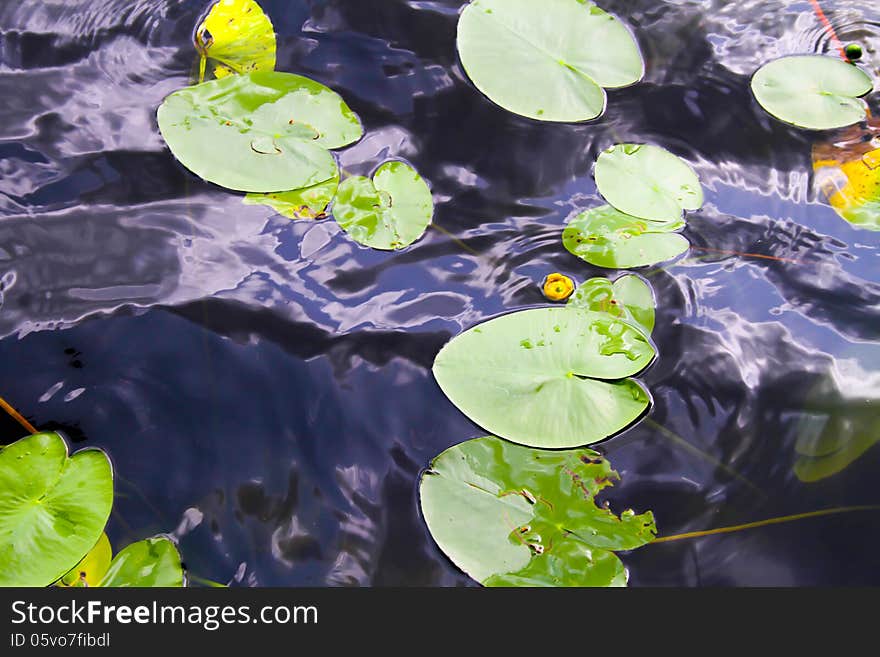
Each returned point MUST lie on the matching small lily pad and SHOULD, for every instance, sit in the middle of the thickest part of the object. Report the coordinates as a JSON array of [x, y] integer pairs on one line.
[[514, 516], [259, 132], [237, 35], [93, 566], [629, 297], [53, 508], [547, 60], [308, 203], [812, 91], [648, 182], [153, 562], [606, 237], [389, 212], [548, 377]]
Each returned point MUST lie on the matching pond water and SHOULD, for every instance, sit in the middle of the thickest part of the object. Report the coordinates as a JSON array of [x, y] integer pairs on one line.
[[264, 387]]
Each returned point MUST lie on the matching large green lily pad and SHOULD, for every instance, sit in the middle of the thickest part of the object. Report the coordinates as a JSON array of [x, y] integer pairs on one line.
[[514, 516], [647, 182], [606, 237], [628, 297], [259, 132], [812, 91], [547, 60], [548, 377], [153, 562], [53, 508], [389, 212]]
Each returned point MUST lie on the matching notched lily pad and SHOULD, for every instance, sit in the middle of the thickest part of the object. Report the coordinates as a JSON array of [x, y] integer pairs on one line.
[[513, 516], [237, 37], [648, 182], [606, 237], [153, 562], [548, 377], [389, 212], [547, 60], [628, 297], [308, 203], [259, 132], [53, 508], [812, 91]]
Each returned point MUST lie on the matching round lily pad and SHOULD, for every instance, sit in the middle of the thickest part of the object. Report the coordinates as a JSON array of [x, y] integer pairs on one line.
[[389, 212], [812, 91], [509, 515], [237, 35], [548, 377], [153, 562], [547, 60], [53, 508], [608, 238], [647, 182], [629, 297], [259, 132]]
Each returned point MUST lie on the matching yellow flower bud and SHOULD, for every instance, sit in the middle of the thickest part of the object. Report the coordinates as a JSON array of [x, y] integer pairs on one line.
[[558, 287]]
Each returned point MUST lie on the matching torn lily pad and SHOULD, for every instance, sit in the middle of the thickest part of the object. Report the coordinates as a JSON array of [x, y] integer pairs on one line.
[[308, 203], [237, 37], [259, 132], [812, 91], [389, 212], [628, 297], [514, 516], [53, 508], [153, 562], [548, 377], [606, 237], [648, 182], [547, 60]]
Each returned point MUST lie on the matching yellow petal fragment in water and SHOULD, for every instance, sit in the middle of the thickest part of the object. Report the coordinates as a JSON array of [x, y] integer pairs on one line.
[[239, 35], [558, 287]]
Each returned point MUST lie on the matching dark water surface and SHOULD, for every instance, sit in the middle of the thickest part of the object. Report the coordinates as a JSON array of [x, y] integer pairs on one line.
[[263, 386]]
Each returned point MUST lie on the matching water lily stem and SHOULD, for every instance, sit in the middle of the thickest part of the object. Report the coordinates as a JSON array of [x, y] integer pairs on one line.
[[829, 28], [764, 523], [18, 417]]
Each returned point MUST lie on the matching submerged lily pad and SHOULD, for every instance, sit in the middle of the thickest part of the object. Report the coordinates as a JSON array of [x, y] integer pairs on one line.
[[153, 562], [237, 35], [847, 170], [53, 508], [547, 60], [606, 237], [812, 91], [548, 377], [629, 297], [648, 182], [391, 211], [308, 203], [93, 566], [259, 132], [832, 438], [514, 516]]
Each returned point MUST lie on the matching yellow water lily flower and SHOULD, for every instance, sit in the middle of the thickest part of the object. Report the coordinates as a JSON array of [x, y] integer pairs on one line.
[[558, 287]]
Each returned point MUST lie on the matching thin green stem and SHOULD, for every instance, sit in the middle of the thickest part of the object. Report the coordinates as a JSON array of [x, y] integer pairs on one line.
[[205, 582]]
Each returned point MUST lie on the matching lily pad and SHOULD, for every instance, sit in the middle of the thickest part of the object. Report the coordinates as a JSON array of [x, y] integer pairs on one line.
[[547, 60], [606, 237], [237, 35], [259, 132], [848, 173], [391, 211], [93, 566], [308, 203], [548, 377], [53, 508], [831, 439], [647, 182], [629, 297], [812, 91], [153, 562], [514, 516]]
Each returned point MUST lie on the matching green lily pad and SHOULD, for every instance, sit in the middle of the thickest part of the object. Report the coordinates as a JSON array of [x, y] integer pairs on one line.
[[153, 562], [308, 203], [606, 237], [53, 508], [629, 297], [237, 35], [547, 60], [514, 516], [812, 91], [391, 211], [548, 377], [93, 566], [259, 132], [831, 439], [648, 182]]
